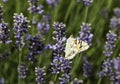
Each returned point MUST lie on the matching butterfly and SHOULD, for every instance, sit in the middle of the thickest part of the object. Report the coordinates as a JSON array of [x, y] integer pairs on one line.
[[74, 46]]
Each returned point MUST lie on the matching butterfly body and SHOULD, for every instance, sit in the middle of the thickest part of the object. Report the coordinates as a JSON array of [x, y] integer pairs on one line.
[[74, 46]]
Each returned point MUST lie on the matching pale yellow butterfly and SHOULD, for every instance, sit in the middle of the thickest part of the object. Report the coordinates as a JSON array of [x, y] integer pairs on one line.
[[74, 46]]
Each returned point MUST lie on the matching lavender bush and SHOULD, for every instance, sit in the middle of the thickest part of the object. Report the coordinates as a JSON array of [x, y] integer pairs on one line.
[[33, 36]]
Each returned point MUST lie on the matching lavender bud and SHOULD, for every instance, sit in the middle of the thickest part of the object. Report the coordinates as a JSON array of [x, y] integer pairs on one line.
[[20, 28], [85, 33], [117, 12], [88, 2], [110, 44], [87, 68], [22, 70], [40, 75]]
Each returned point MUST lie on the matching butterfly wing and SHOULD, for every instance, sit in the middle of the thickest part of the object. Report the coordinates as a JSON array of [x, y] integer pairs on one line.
[[70, 49], [83, 46]]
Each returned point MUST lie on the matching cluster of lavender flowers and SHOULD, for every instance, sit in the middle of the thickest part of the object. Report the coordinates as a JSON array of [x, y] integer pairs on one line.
[[85, 33], [44, 25], [110, 67], [4, 30], [40, 75], [115, 21], [87, 68], [22, 71], [110, 43], [20, 28], [2, 80], [59, 63], [53, 3], [35, 46], [34, 7]]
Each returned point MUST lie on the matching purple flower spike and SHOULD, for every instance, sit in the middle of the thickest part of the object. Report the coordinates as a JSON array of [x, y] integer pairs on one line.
[[22, 70], [20, 28], [110, 44], [85, 33], [87, 68], [40, 75], [117, 12]]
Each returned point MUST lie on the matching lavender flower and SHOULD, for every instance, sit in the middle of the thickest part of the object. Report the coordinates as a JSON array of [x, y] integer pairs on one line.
[[65, 79], [22, 70], [4, 33], [117, 12], [60, 64], [44, 25], [116, 63], [110, 44], [87, 68], [85, 34], [5, 0], [35, 46], [59, 33], [2, 80], [106, 68], [115, 76], [53, 3], [20, 28], [40, 75], [34, 7], [114, 23], [76, 81], [87, 2]]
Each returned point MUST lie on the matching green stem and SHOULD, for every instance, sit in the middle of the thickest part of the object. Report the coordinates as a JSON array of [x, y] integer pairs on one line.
[[20, 54], [109, 4], [99, 81], [86, 12], [77, 61], [55, 77]]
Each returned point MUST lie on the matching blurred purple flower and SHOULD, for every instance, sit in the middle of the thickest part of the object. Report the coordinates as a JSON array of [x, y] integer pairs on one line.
[[2, 80], [88, 2], [117, 12], [110, 44], [44, 25], [65, 79], [34, 7], [116, 63], [114, 23], [20, 28], [40, 75], [35, 46], [5, 0], [4, 33], [85, 33], [87, 68], [22, 71], [106, 68], [53, 3]]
